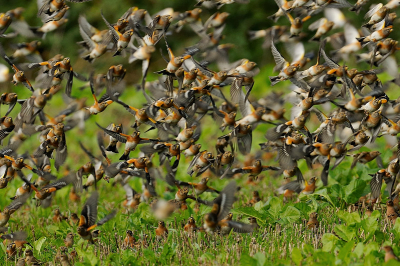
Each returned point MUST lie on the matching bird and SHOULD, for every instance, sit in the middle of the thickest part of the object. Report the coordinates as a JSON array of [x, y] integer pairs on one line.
[[87, 221], [19, 76], [69, 240], [220, 209], [190, 226], [129, 241], [389, 254], [313, 222], [161, 231]]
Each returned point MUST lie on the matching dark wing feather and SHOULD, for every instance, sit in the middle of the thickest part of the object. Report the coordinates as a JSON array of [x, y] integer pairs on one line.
[[225, 200], [107, 218], [241, 227], [376, 185], [113, 134], [89, 211]]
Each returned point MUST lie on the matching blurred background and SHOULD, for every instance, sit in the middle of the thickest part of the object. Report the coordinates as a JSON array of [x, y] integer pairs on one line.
[[243, 17]]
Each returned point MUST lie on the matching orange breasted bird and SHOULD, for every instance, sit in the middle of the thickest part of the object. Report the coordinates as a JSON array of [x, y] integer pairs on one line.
[[161, 231], [220, 209], [19, 76], [87, 221], [255, 169], [131, 141]]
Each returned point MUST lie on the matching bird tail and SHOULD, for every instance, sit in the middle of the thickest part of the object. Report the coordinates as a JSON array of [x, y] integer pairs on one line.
[[112, 148], [124, 157], [88, 58], [315, 39], [39, 34], [118, 52], [274, 80]]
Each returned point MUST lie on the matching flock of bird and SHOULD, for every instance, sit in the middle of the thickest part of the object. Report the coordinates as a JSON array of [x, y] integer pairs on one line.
[[352, 106]]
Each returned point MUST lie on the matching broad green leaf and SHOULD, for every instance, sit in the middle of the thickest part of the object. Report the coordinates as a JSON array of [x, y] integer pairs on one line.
[[370, 260], [380, 236], [359, 250], [275, 207], [308, 249], [370, 225], [335, 191], [314, 205], [260, 258], [297, 257], [392, 262], [39, 243], [324, 258], [396, 229], [376, 214], [304, 209], [324, 193], [290, 215], [329, 242], [247, 260], [349, 218], [250, 211], [258, 206], [88, 255], [345, 251], [345, 232], [371, 247], [354, 190]]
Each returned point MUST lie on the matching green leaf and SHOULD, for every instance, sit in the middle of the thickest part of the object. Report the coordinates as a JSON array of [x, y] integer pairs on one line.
[[392, 262], [260, 258], [39, 243], [258, 206], [376, 214], [370, 260], [345, 232], [88, 255], [354, 190], [275, 207], [349, 217], [359, 250], [304, 209], [396, 230], [371, 247], [345, 251], [297, 257], [324, 193], [308, 249], [324, 258], [246, 259], [329, 242], [336, 190], [370, 225], [290, 215], [250, 211]]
